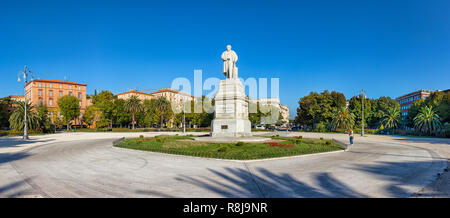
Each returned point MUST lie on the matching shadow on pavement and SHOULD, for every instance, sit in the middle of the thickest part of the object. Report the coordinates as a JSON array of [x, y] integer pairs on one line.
[[402, 173], [240, 183], [8, 157], [154, 194], [424, 140], [12, 186], [237, 182], [14, 142]]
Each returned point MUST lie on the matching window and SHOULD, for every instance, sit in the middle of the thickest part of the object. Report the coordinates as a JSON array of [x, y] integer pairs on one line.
[[60, 93], [70, 87], [79, 103], [50, 93], [40, 101], [79, 88], [40, 92], [80, 95], [70, 93], [60, 86], [40, 84], [51, 85], [50, 102]]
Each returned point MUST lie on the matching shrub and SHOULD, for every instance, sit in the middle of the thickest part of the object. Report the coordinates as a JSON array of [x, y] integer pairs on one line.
[[271, 143], [300, 137], [298, 141], [276, 144], [328, 142], [321, 138], [240, 144], [141, 136], [223, 149]]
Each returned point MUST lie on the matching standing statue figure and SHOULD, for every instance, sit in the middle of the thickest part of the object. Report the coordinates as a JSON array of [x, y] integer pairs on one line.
[[229, 58]]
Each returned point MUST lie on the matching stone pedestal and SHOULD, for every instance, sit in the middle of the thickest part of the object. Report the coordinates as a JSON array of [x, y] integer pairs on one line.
[[231, 110]]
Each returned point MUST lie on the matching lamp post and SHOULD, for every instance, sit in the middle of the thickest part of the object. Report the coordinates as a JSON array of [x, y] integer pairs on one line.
[[25, 73], [363, 95], [184, 115]]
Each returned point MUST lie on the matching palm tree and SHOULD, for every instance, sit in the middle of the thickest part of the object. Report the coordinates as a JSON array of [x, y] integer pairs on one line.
[[343, 119], [44, 120], [133, 105], [163, 105], [391, 119], [16, 120], [427, 120]]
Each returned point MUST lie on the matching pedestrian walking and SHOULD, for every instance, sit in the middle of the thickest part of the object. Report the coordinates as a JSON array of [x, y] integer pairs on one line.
[[350, 134]]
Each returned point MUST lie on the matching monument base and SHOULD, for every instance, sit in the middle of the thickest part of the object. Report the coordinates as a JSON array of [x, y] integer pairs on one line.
[[231, 110], [231, 128]]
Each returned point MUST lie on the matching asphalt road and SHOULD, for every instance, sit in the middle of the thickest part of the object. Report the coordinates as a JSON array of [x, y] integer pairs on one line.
[[93, 168]]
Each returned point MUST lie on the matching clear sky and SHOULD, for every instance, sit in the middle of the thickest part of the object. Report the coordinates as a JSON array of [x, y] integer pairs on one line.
[[389, 47]]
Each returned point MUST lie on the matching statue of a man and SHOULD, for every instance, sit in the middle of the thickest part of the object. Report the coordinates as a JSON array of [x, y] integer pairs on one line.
[[229, 58]]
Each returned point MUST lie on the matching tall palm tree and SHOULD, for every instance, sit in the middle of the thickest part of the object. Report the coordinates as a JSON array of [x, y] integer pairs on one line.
[[427, 120], [16, 120], [343, 119], [391, 119], [133, 105], [163, 105]]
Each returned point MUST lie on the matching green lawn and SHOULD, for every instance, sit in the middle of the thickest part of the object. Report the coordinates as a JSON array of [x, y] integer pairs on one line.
[[277, 147]]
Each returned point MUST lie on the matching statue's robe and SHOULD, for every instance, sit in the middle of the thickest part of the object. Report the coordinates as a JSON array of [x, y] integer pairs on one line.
[[229, 63]]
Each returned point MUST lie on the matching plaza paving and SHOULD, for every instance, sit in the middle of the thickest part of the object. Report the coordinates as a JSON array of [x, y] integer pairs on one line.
[[87, 165]]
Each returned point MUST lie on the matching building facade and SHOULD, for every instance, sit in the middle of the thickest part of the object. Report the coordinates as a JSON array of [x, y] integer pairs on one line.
[[285, 112], [48, 91], [176, 98], [407, 100], [141, 95], [283, 109], [17, 98]]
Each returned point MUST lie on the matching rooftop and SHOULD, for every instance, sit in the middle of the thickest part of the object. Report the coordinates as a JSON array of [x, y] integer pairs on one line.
[[134, 91], [56, 81], [414, 93]]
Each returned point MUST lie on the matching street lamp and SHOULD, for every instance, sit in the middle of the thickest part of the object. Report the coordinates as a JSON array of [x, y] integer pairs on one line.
[[363, 95], [25, 74], [184, 115]]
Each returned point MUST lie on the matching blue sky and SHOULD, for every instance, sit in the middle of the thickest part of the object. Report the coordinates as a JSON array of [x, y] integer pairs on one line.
[[389, 48]]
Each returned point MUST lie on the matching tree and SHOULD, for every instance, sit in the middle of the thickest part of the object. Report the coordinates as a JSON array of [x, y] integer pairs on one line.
[[104, 101], [338, 100], [45, 124], [255, 118], [5, 111], [69, 107], [343, 119], [133, 105], [120, 114], [440, 101], [355, 107], [318, 108], [164, 107], [391, 119], [17, 118], [427, 121], [443, 108], [413, 110], [381, 108], [91, 115]]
